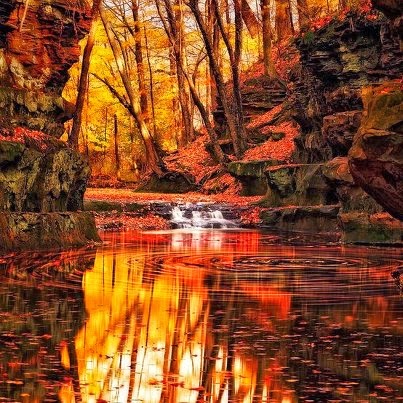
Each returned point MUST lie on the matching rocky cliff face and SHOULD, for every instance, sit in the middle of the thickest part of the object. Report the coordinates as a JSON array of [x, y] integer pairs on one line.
[[38, 44], [347, 168], [39, 175]]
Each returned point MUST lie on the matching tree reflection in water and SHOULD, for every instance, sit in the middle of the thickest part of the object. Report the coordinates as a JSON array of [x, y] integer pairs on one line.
[[205, 316]]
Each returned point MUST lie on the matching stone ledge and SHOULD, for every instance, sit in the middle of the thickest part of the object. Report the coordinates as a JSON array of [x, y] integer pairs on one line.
[[314, 219], [375, 229], [26, 231]]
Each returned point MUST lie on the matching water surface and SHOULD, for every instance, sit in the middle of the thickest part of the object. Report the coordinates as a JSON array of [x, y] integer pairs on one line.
[[201, 316]]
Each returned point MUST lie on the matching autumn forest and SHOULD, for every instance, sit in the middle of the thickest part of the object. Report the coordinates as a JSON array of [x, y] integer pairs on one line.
[[153, 75]]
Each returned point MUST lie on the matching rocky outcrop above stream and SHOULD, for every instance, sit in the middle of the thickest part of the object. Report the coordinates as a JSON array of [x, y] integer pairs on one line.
[[42, 181], [42, 184], [346, 171], [19, 231], [41, 176], [376, 157], [38, 45]]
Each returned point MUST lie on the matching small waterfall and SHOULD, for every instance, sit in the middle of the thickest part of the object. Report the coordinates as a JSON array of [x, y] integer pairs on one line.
[[179, 220], [190, 217]]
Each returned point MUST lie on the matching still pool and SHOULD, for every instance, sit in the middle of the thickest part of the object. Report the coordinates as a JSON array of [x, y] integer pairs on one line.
[[202, 316]]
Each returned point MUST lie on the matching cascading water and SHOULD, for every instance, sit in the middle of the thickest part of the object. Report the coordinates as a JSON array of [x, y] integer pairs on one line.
[[191, 217]]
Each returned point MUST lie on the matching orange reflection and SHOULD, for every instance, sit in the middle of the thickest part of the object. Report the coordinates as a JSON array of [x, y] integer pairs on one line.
[[163, 317]]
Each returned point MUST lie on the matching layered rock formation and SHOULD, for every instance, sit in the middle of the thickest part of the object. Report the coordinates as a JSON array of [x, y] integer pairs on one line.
[[39, 42], [40, 177], [376, 158], [346, 97]]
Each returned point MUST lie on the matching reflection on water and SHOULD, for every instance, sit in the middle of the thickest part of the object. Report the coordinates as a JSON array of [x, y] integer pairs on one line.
[[203, 316]]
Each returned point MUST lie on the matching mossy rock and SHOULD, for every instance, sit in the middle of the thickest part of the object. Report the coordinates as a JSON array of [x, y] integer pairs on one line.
[[384, 106], [363, 228], [170, 182], [28, 231], [296, 185], [10, 151], [251, 175], [103, 206], [310, 219], [254, 169]]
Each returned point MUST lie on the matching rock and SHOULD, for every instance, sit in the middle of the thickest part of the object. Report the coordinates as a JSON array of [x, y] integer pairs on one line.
[[351, 196], [339, 129], [310, 219], [38, 179], [380, 228], [251, 174], [297, 185], [102, 206], [36, 54], [46, 230], [336, 61], [391, 8], [170, 182], [376, 157]]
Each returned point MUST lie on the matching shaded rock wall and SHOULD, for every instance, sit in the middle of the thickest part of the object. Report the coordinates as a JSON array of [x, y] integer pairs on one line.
[[40, 177], [347, 98], [36, 53], [41, 180], [19, 231], [376, 158], [337, 61]]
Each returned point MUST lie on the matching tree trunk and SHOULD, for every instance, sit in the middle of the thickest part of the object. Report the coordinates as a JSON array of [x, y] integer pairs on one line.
[[116, 144], [303, 15], [83, 82], [235, 68], [235, 59], [173, 25], [138, 54], [188, 134], [250, 20], [238, 142], [150, 73], [269, 68], [133, 106], [218, 154], [284, 26]]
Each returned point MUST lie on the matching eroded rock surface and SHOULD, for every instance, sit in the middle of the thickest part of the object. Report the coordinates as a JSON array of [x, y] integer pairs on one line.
[[36, 53], [43, 177], [40, 177], [376, 158], [19, 231]]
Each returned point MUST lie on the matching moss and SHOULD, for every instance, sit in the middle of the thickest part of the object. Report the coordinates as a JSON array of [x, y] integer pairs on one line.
[[308, 38], [370, 229], [10, 151], [251, 168], [20, 231], [277, 136], [385, 106]]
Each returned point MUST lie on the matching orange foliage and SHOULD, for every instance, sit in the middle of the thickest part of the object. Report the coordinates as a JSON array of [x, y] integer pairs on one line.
[[127, 221], [251, 217], [260, 120], [128, 196], [193, 158], [26, 136], [280, 150]]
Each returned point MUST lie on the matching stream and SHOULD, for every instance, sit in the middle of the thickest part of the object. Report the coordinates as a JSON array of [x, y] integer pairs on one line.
[[197, 315]]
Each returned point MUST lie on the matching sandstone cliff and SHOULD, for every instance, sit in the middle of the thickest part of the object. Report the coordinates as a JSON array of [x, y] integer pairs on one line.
[[38, 45], [42, 181]]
